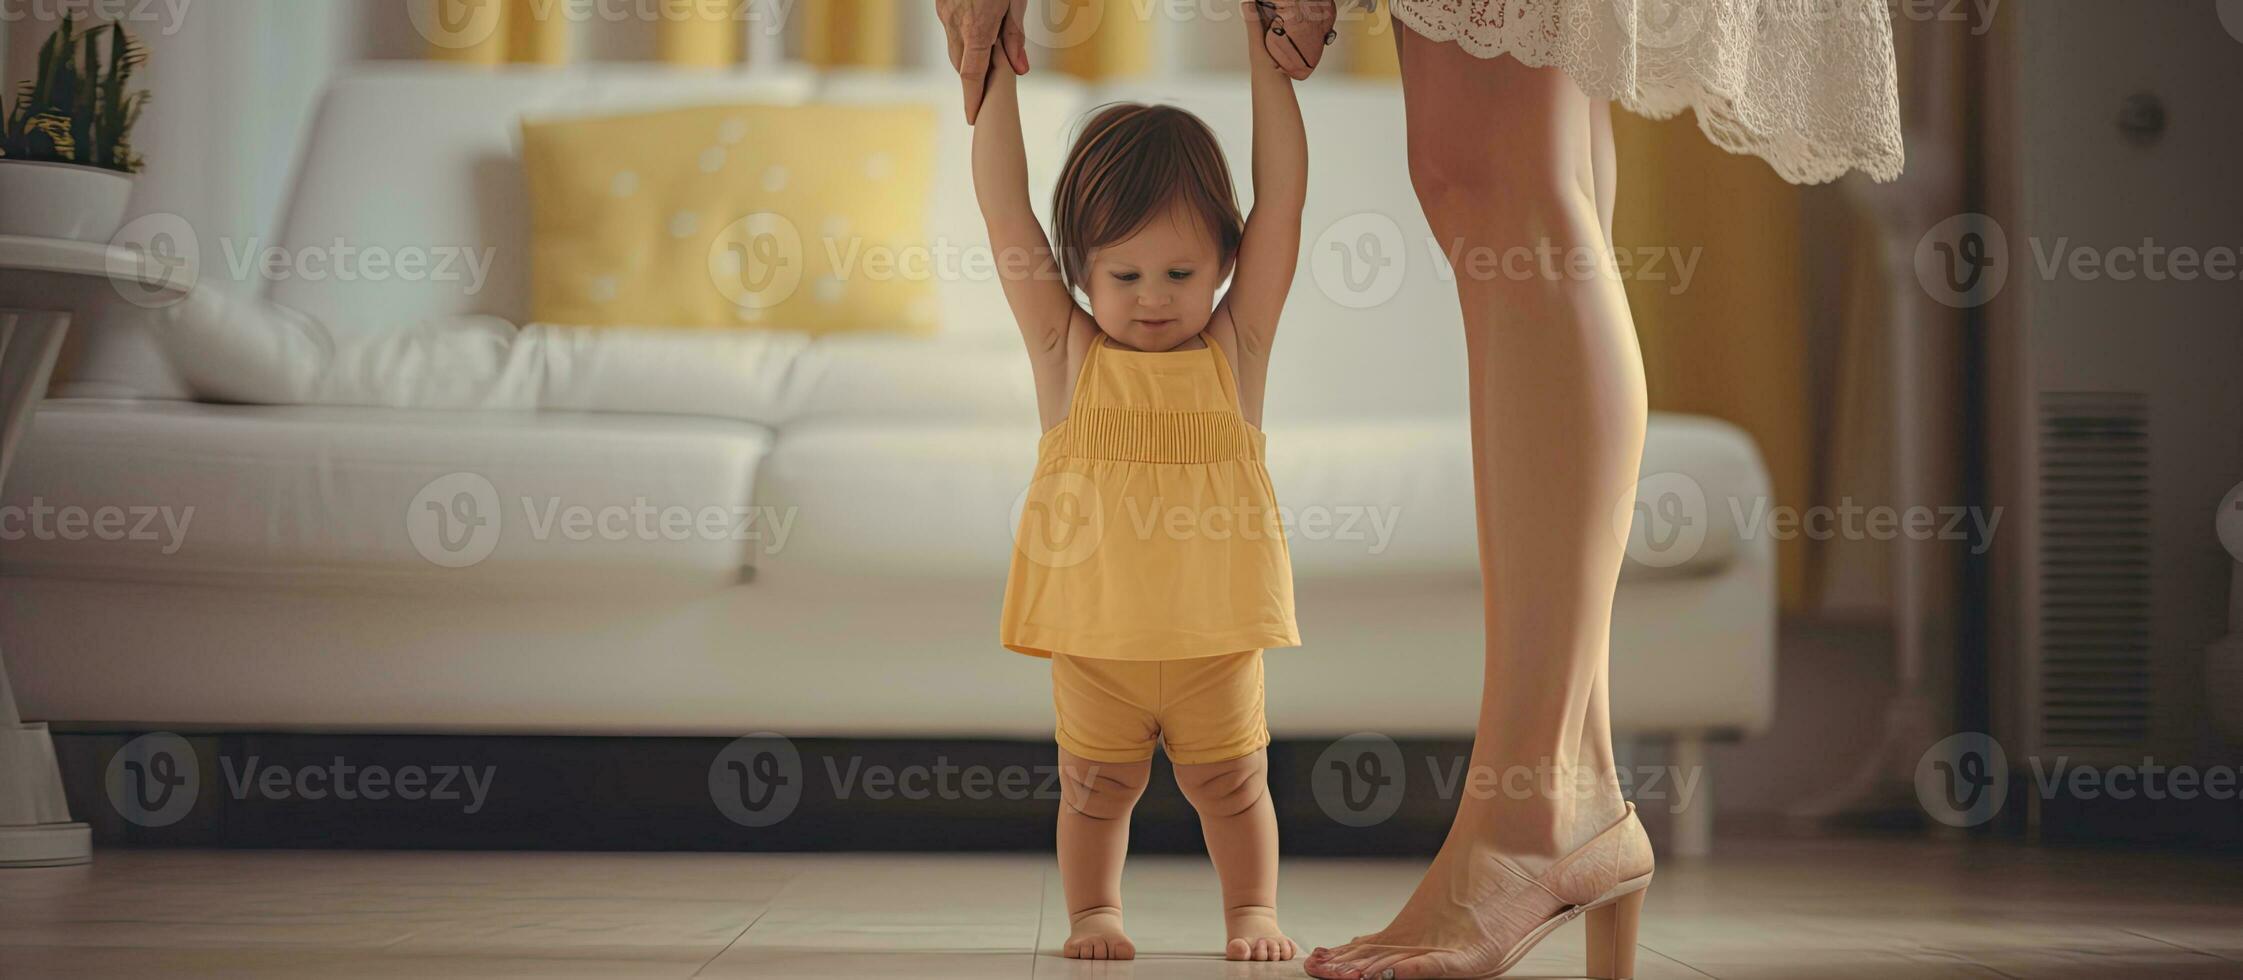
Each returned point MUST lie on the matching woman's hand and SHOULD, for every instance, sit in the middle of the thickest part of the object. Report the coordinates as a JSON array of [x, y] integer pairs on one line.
[[1296, 33], [977, 27]]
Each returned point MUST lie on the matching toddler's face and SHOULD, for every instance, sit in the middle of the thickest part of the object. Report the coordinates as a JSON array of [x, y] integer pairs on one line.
[[1156, 288]]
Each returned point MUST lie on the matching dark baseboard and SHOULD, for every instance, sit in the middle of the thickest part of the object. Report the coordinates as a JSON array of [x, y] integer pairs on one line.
[[282, 790]]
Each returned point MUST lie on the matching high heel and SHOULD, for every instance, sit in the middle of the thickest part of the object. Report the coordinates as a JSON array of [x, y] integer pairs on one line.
[[1612, 935], [1604, 879]]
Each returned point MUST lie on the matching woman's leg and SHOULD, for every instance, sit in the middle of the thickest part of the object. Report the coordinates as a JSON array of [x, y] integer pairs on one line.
[[1607, 165], [1504, 157]]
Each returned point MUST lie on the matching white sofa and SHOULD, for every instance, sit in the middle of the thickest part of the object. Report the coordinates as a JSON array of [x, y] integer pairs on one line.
[[297, 600]]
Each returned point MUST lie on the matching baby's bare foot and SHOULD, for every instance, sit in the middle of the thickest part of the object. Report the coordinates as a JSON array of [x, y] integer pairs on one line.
[[1254, 935], [1097, 935]]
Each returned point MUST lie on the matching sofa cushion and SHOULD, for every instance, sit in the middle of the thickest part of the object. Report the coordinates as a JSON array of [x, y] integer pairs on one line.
[[796, 217], [543, 502], [1390, 497]]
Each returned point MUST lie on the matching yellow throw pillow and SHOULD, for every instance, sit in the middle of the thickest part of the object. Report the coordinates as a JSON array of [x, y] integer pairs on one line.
[[799, 218]]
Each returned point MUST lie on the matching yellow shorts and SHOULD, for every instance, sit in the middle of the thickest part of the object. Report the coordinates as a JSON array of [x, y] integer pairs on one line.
[[1205, 709]]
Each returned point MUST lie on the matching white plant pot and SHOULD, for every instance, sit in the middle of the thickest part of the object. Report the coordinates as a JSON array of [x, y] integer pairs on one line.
[[62, 200]]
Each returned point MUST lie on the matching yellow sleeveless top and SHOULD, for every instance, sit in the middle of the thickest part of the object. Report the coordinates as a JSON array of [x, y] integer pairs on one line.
[[1150, 531]]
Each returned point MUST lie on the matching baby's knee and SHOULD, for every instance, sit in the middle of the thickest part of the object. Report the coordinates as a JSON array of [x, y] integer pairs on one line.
[[1222, 789], [1102, 790]]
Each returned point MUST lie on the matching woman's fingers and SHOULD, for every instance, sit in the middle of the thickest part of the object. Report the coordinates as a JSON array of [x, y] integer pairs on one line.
[[1280, 20], [973, 28], [973, 71], [1015, 36], [1298, 31]]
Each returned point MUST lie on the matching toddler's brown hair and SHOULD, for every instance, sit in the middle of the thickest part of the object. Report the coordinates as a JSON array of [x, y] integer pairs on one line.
[[1132, 162]]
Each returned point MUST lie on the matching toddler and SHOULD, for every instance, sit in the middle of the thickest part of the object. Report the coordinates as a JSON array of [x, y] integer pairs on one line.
[[1150, 566]]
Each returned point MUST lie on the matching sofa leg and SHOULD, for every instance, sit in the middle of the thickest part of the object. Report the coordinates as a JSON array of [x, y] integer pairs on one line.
[[1693, 823]]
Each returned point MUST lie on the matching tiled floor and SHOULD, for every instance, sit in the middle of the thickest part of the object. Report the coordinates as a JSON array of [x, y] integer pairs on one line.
[[1768, 909]]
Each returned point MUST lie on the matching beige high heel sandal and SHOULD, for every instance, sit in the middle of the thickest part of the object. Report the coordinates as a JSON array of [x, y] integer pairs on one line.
[[1605, 879]]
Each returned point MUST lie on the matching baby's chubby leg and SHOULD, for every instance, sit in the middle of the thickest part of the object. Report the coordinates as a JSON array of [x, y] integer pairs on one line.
[[1240, 824], [1095, 802]]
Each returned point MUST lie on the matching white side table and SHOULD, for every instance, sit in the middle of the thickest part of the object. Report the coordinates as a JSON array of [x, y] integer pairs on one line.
[[43, 282]]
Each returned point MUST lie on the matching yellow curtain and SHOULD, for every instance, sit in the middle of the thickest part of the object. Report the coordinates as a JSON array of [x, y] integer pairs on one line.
[[1730, 345], [699, 33], [1102, 38], [1367, 43], [491, 32], [853, 33], [536, 34]]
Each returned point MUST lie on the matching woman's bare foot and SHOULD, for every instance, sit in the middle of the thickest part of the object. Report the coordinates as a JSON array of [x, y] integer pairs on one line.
[[1254, 935], [1096, 934]]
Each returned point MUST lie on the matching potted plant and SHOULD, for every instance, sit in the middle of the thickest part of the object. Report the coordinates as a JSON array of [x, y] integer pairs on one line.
[[66, 157]]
